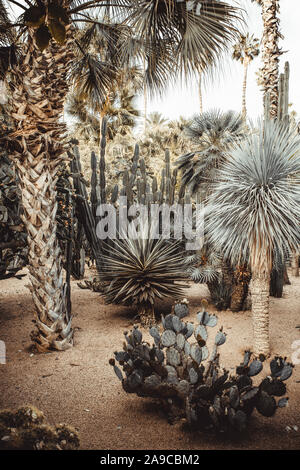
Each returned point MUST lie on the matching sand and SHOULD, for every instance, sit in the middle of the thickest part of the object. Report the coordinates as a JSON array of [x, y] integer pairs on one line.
[[79, 387]]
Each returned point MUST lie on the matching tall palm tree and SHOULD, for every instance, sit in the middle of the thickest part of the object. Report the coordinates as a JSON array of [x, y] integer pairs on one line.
[[254, 211], [245, 50], [39, 75], [270, 52]]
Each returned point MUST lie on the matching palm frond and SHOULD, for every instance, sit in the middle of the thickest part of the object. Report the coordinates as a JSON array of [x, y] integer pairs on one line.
[[212, 134], [93, 78], [199, 31]]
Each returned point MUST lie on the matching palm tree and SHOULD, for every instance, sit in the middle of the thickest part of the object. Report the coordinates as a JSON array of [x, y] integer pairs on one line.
[[254, 211], [120, 112], [211, 135], [245, 50], [39, 75], [270, 52]]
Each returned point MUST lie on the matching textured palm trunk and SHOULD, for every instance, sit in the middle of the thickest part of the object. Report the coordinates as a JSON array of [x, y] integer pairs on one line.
[[295, 265], [239, 295], [271, 53], [146, 314], [200, 93], [260, 312], [38, 88], [244, 91]]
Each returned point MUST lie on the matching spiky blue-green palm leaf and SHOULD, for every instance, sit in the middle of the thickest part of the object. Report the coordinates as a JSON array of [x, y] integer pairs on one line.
[[254, 207]]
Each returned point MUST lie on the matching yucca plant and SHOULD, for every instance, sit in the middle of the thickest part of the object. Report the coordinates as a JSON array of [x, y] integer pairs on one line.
[[253, 211], [137, 271]]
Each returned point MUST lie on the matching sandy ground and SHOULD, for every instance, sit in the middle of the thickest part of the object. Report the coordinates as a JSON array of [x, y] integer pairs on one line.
[[78, 386]]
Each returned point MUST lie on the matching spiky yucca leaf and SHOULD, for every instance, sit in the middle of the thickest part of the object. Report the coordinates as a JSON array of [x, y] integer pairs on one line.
[[254, 208], [139, 270]]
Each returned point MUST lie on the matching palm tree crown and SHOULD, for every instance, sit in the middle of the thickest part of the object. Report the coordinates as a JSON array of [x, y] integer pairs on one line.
[[247, 48], [254, 208], [211, 134]]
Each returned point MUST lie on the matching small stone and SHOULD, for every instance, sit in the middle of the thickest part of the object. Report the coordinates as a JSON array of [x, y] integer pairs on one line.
[[295, 428], [288, 428]]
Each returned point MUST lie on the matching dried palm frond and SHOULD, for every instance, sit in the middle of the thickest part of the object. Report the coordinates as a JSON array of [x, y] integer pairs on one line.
[[138, 271]]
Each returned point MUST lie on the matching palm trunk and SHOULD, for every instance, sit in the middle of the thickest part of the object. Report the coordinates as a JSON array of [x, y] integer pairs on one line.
[[146, 314], [295, 265], [200, 93], [271, 53], [240, 289], [38, 88], [244, 92], [145, 96], [260, 312]]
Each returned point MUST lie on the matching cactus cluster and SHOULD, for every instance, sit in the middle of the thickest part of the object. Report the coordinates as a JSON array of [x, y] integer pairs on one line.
[[13, 245], [179, 370], [26, 429]]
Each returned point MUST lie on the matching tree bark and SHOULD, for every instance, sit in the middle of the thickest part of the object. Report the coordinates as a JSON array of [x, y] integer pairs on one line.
[[271, 53], [240, 289], [200, 93], [146, 314], [244, 91], [295, 265], [38, 88], [260, 312]]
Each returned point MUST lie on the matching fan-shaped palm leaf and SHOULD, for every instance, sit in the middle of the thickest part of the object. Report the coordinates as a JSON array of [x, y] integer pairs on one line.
[[212, 134]]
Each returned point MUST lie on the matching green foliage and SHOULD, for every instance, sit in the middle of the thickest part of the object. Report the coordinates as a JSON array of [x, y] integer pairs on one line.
[[189, 382]]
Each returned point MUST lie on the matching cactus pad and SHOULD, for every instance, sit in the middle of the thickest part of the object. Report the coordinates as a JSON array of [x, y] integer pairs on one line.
[[188, 380]]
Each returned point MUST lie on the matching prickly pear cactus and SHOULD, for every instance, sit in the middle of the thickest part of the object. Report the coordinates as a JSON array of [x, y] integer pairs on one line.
[[180, 371]]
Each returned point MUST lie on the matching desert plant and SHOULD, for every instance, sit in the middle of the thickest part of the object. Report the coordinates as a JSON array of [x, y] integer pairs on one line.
[[26, 429], [190, 383], [39, 80], [212, 135], [254, 211], [137, 270]]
